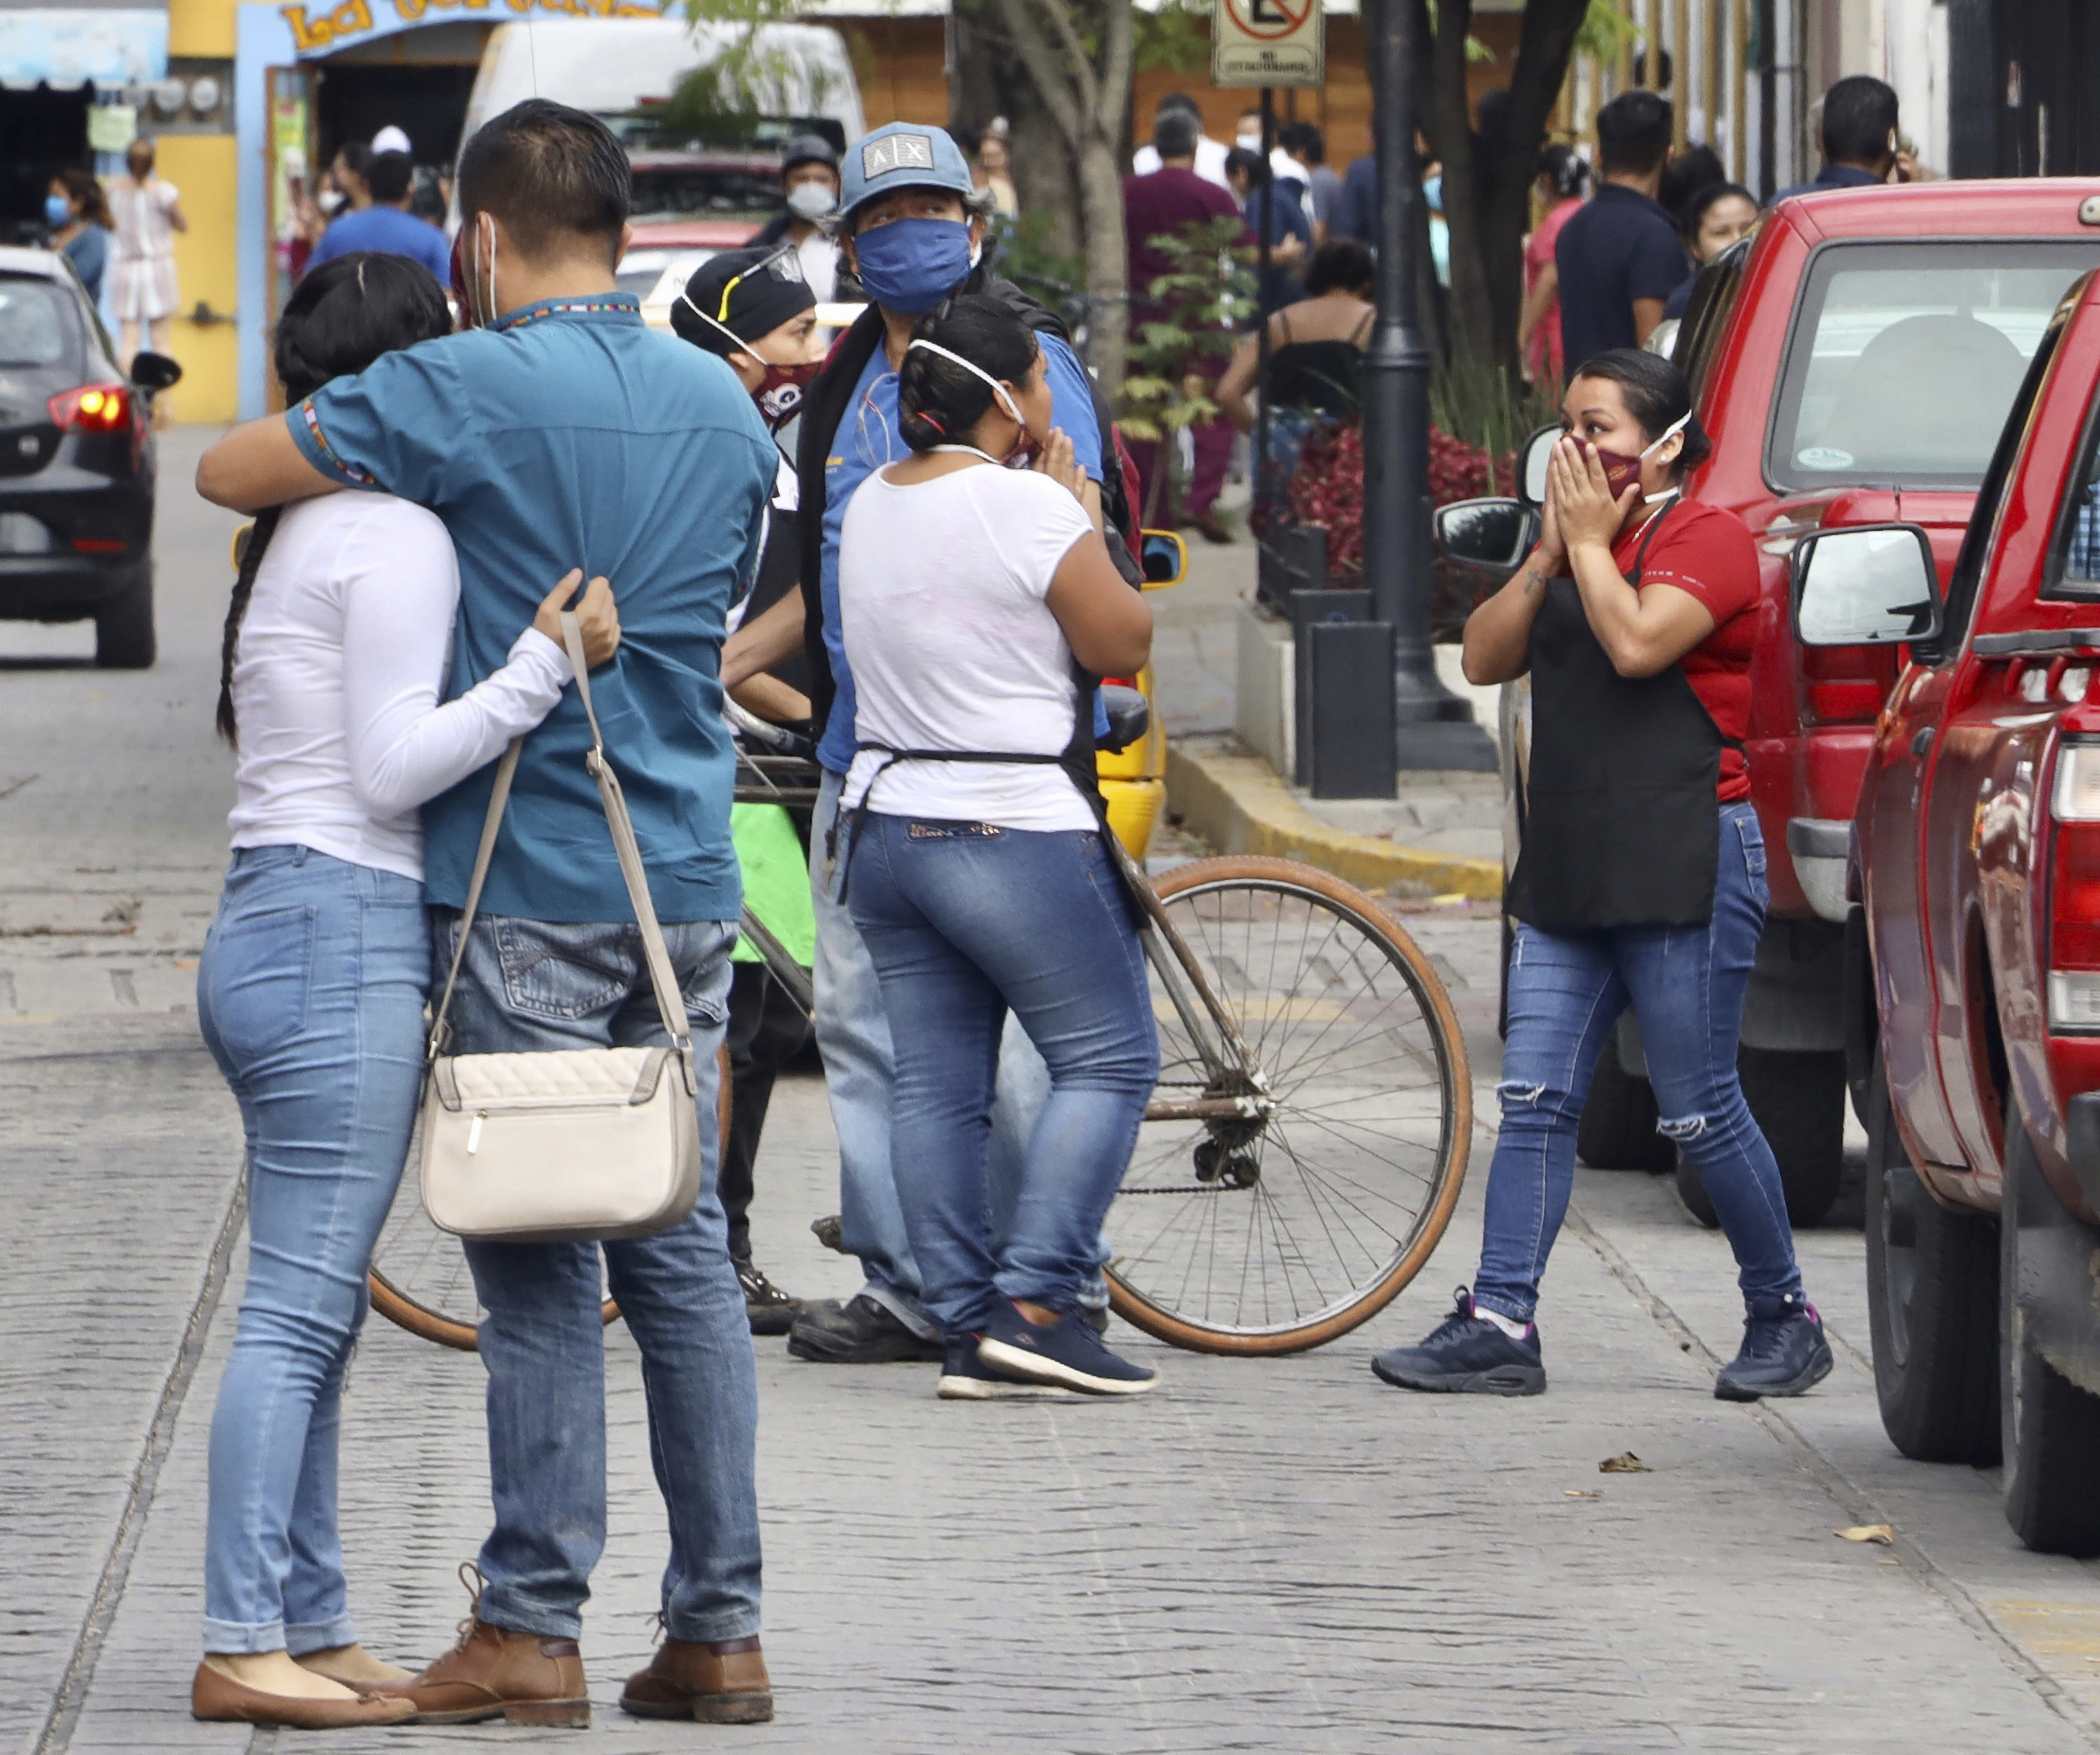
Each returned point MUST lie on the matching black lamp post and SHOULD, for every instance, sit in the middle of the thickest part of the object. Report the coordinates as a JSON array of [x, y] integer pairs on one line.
[[1434, 728]]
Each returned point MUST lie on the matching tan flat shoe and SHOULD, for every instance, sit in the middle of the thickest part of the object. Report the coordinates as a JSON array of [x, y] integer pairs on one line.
[[216, 1696], [354, 1667]]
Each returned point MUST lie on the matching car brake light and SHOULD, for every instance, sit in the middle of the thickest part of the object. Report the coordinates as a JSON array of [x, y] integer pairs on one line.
[[92, 409], [2074, 890]]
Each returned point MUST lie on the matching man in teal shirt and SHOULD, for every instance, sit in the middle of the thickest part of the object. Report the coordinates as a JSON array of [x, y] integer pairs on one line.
[[561, 427]]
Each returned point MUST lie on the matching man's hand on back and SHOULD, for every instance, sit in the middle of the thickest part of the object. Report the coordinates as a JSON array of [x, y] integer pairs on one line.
[[257, 465]]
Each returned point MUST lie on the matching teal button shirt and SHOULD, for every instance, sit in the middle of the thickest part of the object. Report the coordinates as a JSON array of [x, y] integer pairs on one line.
[[571, 435]]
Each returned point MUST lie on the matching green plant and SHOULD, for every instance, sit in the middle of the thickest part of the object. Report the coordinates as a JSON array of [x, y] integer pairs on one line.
[[1481, 403], [1197, 308], [1605, 31], [724, 97], [1027, 257]]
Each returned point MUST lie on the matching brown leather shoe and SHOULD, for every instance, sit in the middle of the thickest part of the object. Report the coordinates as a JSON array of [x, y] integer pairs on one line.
[[216, 1696], [721, 1682], [494, 1672]]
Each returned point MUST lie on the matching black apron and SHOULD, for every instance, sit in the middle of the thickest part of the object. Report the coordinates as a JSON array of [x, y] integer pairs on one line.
[[1622, 823]]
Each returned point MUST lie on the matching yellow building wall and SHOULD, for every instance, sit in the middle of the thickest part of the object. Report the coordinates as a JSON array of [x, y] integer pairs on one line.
[[206, 167]]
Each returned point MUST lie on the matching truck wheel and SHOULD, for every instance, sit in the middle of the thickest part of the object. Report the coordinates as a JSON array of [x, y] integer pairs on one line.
[[1932, 1302], [1618, 1129], [1798, 1100], [124, 627], [2050, 1427]]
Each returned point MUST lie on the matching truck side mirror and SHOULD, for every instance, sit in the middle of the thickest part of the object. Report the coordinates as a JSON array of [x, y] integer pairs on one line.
[[1492, 534], [1865, 584], [1530, 462]]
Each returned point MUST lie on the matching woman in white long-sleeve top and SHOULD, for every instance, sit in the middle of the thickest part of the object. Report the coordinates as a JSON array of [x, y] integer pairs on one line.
[[312, 989]]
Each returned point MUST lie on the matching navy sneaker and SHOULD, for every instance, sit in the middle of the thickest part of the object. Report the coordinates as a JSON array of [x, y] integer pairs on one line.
[[1468, 1356], [965, 1377], [1784, 1352], [1066, 1352]]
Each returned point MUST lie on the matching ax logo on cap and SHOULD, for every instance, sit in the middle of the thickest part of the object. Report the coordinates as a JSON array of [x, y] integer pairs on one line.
[[896, 152]]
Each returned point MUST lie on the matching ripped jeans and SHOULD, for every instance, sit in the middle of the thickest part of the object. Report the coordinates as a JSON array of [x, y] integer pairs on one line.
[[1686, 985]]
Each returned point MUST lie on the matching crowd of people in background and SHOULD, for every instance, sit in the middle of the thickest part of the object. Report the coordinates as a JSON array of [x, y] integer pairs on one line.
[[1613, 254]]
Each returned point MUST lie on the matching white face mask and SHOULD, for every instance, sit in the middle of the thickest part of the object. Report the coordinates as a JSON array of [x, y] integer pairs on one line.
[[329, 200], [811, 201], [998, 389], [1249, 138]]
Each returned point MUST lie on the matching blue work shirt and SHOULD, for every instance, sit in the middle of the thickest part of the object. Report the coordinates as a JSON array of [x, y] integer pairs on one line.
[[571, 435], [1359, 215], [389, 230], [1832, 177], [1281, 286], [867, 440]]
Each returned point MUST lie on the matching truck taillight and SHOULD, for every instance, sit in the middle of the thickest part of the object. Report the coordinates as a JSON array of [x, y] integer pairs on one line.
[[2074, 889], [92, 409]]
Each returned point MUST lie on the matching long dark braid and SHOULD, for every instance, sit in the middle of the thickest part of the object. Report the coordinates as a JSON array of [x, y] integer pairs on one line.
[[339, 318], [243, 587]]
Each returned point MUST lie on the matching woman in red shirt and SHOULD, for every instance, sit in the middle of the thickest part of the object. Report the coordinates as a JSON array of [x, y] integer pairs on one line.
[[1641, 880], [1561, 178]]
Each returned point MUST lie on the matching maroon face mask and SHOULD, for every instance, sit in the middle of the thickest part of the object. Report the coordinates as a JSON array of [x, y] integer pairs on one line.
[[780, 396], [1622, 472]]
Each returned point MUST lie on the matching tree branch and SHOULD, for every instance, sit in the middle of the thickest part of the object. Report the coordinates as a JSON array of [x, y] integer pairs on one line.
[[1118, 64], [1060, 98]]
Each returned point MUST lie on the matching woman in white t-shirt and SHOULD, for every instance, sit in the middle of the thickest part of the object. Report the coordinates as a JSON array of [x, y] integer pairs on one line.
[[972, 597], [311, 988]]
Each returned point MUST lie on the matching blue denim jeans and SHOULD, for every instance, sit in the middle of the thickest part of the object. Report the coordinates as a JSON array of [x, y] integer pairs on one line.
[[965, 922], [1686, 985], [529, 985], [310, 995], [860, 1076]]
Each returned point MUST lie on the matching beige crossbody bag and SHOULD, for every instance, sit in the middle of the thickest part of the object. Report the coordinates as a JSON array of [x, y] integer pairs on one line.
[[578, 1143]]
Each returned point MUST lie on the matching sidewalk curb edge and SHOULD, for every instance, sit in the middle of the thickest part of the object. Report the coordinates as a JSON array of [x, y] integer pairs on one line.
[[1238, 804]]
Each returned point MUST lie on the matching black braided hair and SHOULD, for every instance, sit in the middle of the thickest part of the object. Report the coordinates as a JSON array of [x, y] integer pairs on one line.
[[937, 402], [339, 319]]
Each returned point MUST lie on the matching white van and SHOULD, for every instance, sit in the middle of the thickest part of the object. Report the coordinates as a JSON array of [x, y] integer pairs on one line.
[[613, 66]]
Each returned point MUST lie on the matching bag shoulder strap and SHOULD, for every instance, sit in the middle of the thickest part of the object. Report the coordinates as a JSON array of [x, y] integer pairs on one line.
[[662, 978]]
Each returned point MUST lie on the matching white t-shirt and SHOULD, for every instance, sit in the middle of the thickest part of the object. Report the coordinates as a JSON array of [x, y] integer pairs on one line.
[[1209, 161], [818, 254], [343, 654], [940, 598]]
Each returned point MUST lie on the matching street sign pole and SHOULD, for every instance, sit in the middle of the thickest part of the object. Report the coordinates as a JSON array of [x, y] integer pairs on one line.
[[1434, 728], [1265, 180]]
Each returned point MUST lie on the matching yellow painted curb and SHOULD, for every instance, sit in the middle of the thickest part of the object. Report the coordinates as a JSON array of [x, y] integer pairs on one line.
[[1236, 803]]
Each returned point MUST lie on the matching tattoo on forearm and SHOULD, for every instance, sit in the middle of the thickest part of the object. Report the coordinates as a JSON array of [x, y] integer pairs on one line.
[[1534, 579]]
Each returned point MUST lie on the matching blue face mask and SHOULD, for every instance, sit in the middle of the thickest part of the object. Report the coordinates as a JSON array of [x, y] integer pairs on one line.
[[58, 210], [911, 265]]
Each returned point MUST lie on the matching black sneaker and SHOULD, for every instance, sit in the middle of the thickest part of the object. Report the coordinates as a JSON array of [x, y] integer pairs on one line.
[[859, 1332], [965, 1377], [1066, 1351], [1468, 1356], [771, 1311], [1784, 1352]]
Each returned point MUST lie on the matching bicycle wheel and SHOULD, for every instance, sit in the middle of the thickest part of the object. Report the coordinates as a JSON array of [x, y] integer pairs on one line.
[[419, 1278], [1278, 1228]]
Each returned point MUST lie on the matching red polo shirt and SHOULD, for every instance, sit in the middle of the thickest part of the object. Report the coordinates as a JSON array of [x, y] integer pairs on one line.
[[1710, 553]]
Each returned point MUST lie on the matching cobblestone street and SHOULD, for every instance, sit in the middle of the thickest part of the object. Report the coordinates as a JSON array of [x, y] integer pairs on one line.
[[1267, 1554]]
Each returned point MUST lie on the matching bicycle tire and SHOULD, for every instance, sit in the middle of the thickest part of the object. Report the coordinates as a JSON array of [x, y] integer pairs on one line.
[[1272, 884], [405, 1310]]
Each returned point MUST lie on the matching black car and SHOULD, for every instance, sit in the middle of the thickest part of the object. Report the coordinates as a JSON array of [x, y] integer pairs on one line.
[[76, 462]]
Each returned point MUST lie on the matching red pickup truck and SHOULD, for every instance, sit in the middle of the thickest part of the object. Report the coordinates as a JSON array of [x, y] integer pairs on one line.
[[1975, 872], [1853, 362]]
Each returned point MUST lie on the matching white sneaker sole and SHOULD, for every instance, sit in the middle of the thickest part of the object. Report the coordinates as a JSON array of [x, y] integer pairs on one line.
[[959, 1389], [1037, 1369]]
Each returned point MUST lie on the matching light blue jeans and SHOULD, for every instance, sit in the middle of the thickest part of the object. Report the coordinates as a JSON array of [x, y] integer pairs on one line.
[[531, 985], [860, 1078], [970, 925], [1686, 986], [310, 994]]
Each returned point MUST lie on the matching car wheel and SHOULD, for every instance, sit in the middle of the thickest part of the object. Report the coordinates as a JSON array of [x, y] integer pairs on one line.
[[1798, 1102], [2050, 1427], [1618, 1129], [124, 627], [1932, 1300]]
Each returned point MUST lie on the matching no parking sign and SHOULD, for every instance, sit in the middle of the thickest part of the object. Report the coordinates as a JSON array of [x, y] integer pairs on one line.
[[1269, 42]]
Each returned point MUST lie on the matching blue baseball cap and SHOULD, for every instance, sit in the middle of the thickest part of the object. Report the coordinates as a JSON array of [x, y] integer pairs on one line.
[[902, 154]]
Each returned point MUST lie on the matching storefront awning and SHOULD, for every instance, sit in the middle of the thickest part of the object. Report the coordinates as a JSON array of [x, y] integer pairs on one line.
[[69, 47]]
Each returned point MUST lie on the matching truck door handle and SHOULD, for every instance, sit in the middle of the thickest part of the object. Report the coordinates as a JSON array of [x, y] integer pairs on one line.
[[1921, 740]]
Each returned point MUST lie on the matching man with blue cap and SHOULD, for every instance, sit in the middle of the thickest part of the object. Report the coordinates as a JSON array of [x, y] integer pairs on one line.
[[912, 230]]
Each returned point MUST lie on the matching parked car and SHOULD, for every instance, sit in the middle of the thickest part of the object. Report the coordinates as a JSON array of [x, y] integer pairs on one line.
[[76, 462], [1853, 361], [1974, 868]]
